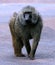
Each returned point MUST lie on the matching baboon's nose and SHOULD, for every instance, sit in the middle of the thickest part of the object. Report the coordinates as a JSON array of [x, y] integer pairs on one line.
[[28, 21]]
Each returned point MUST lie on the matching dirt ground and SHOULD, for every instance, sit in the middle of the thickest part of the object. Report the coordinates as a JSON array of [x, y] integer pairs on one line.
[[45, 54]]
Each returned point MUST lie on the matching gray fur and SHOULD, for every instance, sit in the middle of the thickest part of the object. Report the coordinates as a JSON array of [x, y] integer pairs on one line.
[[22, 32]]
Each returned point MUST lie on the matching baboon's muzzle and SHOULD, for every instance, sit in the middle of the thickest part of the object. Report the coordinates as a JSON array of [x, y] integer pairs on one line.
[[28, 18]]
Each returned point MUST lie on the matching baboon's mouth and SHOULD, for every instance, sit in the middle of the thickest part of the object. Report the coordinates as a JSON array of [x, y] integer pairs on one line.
[[28, 21]]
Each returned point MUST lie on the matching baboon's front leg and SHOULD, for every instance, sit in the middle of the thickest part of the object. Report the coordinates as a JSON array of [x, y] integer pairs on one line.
[[27, 46], [17, 43], [34, 46]]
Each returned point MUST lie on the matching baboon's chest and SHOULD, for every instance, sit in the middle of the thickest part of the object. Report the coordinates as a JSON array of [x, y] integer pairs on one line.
[[25, 31], [28, 32]]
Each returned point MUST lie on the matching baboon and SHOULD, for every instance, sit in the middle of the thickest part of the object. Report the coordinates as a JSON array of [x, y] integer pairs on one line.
[[26, 25]]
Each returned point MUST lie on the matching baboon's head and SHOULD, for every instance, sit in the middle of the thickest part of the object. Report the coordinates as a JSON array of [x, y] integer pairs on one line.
[[28, 16]]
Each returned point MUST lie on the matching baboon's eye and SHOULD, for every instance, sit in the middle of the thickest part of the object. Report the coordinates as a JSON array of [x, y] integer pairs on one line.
[[30, 15]]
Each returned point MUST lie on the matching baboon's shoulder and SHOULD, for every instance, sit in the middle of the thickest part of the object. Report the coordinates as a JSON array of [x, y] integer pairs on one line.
[[13, 19]]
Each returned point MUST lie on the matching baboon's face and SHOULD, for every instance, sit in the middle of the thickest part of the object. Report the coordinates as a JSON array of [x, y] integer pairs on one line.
[[28, 17]]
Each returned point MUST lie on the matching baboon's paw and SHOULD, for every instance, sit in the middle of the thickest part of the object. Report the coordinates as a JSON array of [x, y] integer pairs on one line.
[[31, 57], [20, 55]]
